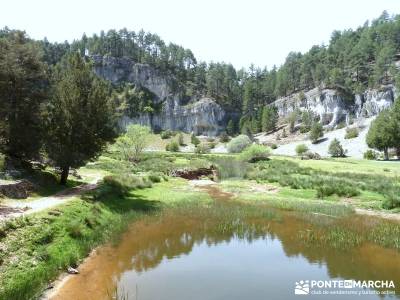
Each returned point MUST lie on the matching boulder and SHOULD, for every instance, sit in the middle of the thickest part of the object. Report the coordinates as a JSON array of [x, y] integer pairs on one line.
[[17, 190]]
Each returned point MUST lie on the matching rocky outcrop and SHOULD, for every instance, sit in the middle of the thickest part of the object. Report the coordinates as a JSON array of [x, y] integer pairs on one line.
[[204, 116], [194, 174], [330, 106], [119, 70], [201, 116], [17, 190], [372, 102]]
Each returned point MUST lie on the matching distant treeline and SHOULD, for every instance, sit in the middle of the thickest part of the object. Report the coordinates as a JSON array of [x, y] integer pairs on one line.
[[353, 61]]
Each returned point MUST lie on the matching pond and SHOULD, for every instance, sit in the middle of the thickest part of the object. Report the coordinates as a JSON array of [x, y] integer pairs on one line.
[[187, 256]]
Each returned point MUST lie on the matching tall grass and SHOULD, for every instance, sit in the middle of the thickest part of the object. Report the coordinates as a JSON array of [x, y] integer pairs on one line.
[[230, 167], [344, 184]]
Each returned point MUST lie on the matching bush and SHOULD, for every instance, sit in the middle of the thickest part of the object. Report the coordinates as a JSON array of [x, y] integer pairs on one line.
[[304, 129], [166, 134], [312, 155], [173, 146], [336, 149], [392, 200], [301, 149], [181, 140], [119, 186], [155, 178], [194, 140], [274, 146], [132, 144], [255, 153], [237, 144], [202, 149], [351, 133], [316, 132], [371, 154], [224, 137]]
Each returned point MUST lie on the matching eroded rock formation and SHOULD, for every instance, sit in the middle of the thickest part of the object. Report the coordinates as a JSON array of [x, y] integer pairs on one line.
[[332, 108], [201, 116]]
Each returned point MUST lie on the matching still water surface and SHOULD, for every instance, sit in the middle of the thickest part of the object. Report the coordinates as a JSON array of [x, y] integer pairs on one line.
[[182, 258]]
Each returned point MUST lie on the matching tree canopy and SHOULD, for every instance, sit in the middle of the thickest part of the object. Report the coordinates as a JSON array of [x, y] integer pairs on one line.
[[80, 116]]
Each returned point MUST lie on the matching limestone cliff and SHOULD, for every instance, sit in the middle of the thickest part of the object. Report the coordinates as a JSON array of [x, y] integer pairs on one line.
[[330, 106], [201, 116]]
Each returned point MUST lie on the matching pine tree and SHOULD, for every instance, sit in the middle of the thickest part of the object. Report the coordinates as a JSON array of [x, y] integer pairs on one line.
[[316, 132], [269, 118], [22, 91], [80, 118], [382, 133]]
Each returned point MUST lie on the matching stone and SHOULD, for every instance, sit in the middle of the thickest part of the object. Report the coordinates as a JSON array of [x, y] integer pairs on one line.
[[72, 270], [17, 190], [198, 115], [330, 106]]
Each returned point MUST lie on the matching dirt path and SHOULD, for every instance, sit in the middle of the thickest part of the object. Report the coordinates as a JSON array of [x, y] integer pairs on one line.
[[20, 208]]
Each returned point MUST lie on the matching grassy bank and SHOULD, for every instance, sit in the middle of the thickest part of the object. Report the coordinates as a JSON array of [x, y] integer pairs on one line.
[[35, 249]]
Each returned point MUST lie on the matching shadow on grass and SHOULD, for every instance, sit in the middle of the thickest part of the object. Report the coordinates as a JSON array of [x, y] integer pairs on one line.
[[320, 141], [122, 202]]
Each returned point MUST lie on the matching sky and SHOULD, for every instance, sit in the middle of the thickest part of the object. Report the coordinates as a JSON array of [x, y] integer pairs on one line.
[[240, 32]]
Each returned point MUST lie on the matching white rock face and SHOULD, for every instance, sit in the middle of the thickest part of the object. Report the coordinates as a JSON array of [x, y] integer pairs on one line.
[[329, 105], [201, 116], [372, 102]]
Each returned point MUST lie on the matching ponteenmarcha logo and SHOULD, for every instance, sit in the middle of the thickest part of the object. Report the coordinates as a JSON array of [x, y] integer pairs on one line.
[[326, 287], [302, 287]]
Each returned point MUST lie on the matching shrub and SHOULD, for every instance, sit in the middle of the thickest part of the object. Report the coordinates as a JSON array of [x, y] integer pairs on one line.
[[316, 132], [371, 154], [181, 140], [155, 178], [292, 119], [351, 133], [392, 200], [194, 140], [312, 155], [132, 144], [202, 148], [255, 153], [306, 121], [172, 146], [335, 149], [224, 137], [119, 186], [237, 144], [166, 134], [274, 146], [301, 149], [304, 129]]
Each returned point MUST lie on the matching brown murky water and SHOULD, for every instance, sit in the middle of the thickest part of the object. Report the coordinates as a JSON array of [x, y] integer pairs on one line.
[[187, 257]]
